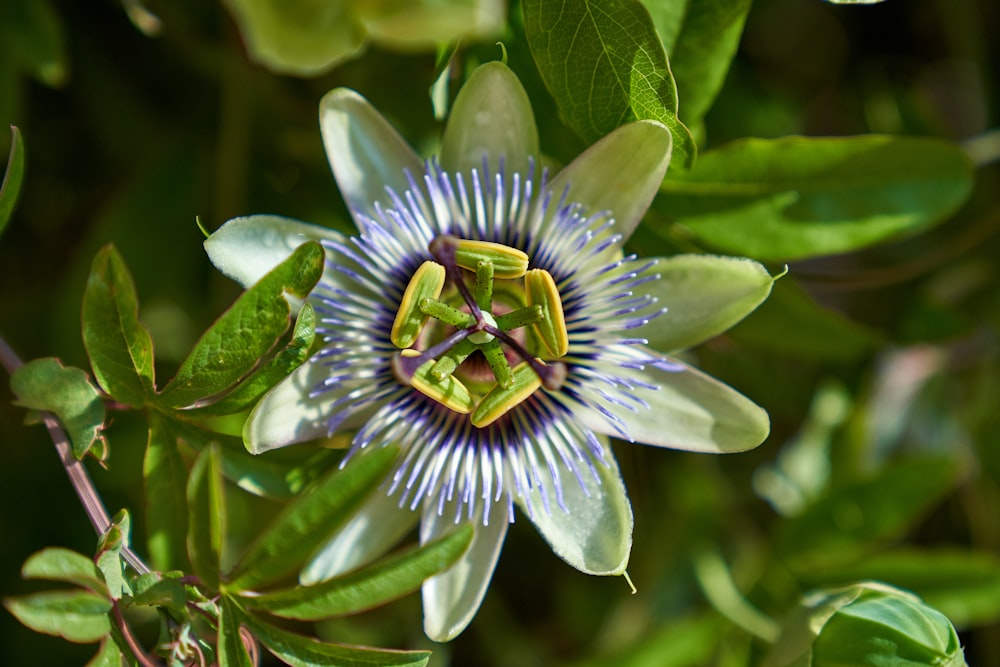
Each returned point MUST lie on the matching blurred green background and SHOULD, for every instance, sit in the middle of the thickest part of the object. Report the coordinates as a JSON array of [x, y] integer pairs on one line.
[[883, 388]]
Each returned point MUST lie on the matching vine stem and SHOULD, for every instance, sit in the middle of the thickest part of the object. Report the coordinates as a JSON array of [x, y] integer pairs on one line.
[[75, 470]]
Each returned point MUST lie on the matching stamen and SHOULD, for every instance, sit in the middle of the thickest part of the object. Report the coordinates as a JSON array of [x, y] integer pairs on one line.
[[497, 360], [540, 289], [484, 284], [502, 400], [508, 263], [427, 283], [448, 391], [521, 317]]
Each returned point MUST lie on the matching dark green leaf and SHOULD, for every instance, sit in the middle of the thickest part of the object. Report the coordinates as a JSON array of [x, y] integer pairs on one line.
[[700, 37], [310, 520], [246, 333], [964, 585], [118, 345], [792, 324], [264, 477], [284, 362], [232, 650], [300, 651], [857, 517], [206, 515], [58, 564], [369, 587], [78, 616], [800, 197], [605, 66], [107, 656], [160, 589], [13, 178], [164, 485], [45, 384]]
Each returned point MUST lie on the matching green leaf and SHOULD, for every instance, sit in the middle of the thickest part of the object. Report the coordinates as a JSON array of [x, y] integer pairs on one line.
[[118, 345], [792, 324], [284, 362], [160, 589], [232, 650], [964, 585], [605, 66], [800, 197], [701, 38], [107, 656], [78, 616], [857, 517], [45, 384], [109, 554], [13, 178], [164, 487], [299, 651], [245, 333], [206, 515], [58, 564], [309, 521], [368, 587], [264, 477]]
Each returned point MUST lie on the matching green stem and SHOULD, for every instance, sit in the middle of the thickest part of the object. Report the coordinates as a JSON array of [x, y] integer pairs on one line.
[[719, 588]]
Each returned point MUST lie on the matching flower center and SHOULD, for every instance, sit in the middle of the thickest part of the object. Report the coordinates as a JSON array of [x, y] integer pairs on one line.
[[480, 324]]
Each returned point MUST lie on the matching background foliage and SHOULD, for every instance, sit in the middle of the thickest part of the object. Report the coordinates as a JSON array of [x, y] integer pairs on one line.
[[878, 362]]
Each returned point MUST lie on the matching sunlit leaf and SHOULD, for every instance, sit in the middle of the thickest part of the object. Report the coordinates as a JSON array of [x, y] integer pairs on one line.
[[119, 346], [309, 521], [78, 616], [108, 655], [370, 586], [605, 66], [13, 178], [801, 197], [300, 651], [232, 650], [246, 332], [206, 515], [45, 384], [58, 564], [109, 554]]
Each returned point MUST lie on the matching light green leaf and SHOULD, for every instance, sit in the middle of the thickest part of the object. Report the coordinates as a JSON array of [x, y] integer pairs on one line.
[[160, 589], [232, 650], [246, 332], [605, 66], [108, 655], [299, 37], [109, 554], [13, 178], [801, 197], [299, 651], [309, 521], [164, 486], [206, 515], [701, 38], [77, 616], [118, 345], [45, 384], [58, 564], [964, 585], [792, 324], [855, 518], [704, 295], [246, 393], [423, 24], [368, 587]]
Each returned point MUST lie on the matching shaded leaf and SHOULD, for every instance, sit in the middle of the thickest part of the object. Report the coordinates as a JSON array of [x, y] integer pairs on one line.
[[58, 564], [801, 197], [160, 589], [232, 650], [309, 521], [370, 586], [605, 66], [13, 178], [119, 347], [107, 656], [206, 516], [701, 38], [165, 489], [300, 651], [45, 384], [246, 332], [78, 616]]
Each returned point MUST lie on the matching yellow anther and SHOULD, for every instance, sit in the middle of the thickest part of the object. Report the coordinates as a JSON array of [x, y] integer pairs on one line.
[[448, 391], [426, 283], [502, 400], [507, 262], [540, 289]]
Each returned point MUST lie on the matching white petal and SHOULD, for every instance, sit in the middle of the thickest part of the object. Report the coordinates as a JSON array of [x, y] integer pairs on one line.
[[621, 173], [373, 530], [365, 151], [245, 249], [452, 598], [594, 532], [690, 410], [287, 414]]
